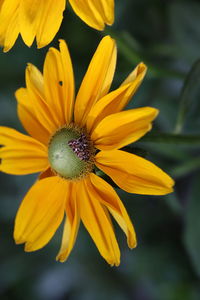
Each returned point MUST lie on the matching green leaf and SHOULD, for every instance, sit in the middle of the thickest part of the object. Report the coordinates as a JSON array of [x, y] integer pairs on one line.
[[171, 151], [130, 49], [192, 225], [174, 203], [184, 24], [186, 168], [135, 150], [170, 138], [189, 98]]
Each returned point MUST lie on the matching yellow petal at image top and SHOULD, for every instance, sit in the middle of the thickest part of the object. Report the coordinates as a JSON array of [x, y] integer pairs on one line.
[[41, 19], [71, 139]]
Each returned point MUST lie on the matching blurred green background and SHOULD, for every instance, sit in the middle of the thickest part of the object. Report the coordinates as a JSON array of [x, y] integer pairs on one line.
[[166, 264]]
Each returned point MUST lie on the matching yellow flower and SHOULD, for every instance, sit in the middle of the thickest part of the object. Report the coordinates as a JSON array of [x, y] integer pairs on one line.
[[41, 19], [69, 142]]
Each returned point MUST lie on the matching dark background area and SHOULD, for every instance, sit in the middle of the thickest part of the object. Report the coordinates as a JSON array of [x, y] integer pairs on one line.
[[166, 263]]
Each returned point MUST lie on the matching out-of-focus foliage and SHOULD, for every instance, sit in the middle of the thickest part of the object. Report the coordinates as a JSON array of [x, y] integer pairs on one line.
[[166, 264]]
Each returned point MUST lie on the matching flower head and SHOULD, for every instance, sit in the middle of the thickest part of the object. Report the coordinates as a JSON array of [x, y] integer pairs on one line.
[[68, 141], [41, 19]]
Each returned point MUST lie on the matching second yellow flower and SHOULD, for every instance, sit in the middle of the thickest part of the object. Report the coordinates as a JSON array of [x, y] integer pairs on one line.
[[41, 19]]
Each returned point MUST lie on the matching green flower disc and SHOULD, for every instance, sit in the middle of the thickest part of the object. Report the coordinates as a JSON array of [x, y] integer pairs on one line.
[[63, 160]]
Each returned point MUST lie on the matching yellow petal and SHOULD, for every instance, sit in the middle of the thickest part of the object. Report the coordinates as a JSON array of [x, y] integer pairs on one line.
[[35, 88], [123, 128], [41, 19], [9, 20], [71, 224], [59, 83], [21, 154], [1, 2], [134, 174], [28, 12], [108, 197], [50, 18], [116, 100], [97, 222], [136, 76], [40, 213], [28, 117], [97, 80], [95, 13], [34, 80]]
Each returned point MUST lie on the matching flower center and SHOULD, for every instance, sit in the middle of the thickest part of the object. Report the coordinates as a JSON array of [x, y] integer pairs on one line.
[[71, 153]]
